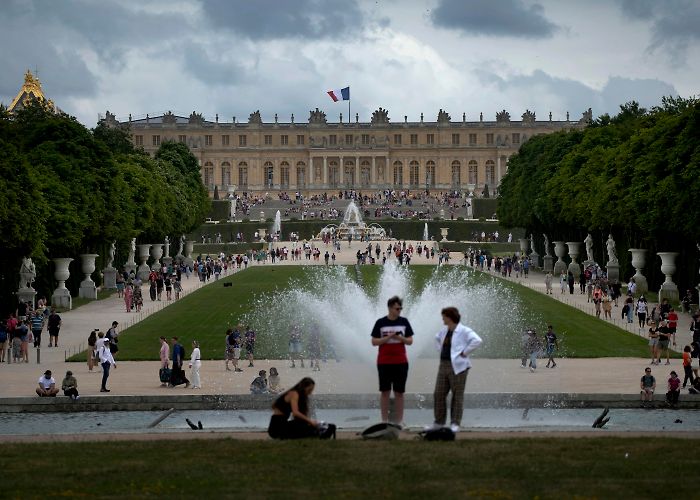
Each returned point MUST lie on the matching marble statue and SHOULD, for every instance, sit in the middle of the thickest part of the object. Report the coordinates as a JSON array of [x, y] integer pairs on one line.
[[546, 245], [589, 247], [112, 251], [167, 246], [610, 245], [532, 242], [182, 245], [132, 250], [27, 272]]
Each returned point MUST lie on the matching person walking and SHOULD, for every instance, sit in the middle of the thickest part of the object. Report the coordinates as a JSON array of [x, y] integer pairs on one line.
[[37, 326], [552, 344], [91, 342], [177, 376], [70, 386], [107, 361], [164, 359], [455, 342], [641, 309], [687, 366], [295, 348], [391, 334], [250, 345], [54, 327], [195, 365]]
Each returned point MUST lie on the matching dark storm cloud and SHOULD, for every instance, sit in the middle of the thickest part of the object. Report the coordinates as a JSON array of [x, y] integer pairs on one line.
[[272, 19], [208, 69], [576, 96], [511, 18], [674, 23]]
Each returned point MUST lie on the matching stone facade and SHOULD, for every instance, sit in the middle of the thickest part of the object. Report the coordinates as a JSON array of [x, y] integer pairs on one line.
[[318, 155]]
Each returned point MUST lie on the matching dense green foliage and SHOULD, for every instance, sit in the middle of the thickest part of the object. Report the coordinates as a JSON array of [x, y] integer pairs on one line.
[[69, 190], [635, 175]]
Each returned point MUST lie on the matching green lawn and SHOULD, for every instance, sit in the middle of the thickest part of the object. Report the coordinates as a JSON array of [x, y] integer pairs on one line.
[[226, 468], [206, 314]]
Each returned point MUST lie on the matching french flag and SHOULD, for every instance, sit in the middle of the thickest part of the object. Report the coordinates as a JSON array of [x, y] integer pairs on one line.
[[340, 95]]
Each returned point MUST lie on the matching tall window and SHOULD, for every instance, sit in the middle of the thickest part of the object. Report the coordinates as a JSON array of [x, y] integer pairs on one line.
[[414, 139], [242, 175], [284, 175], [138, 140], [473, 175], [430, 173], [489, 139], [413, 171], [268, 140], [398, 174], [182, 139], [333, 173], [269, 172], [516, 138], [224, 140], [349, 173], [348, 140], [430, 139], [456, 174], [209, 175], [226, 173], [490, 173], [333, 140], [208, 140], [242, 140], [301, 173], [300, 140], [455, 139], [397, 138], [285, 140], [155, 140], [472, 139], [365, 173], [365, 139]]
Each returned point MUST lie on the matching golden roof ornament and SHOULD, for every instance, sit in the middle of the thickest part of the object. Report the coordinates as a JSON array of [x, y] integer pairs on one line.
[[31, 89]]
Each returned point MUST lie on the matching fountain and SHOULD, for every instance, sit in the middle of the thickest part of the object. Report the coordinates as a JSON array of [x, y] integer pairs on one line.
[[277, 225], [346, 312], [353, 226], [426, 236]]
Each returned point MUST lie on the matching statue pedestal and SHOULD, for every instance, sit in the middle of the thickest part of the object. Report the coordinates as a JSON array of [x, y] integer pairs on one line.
[[548, 263], [61, 299], [26, 294], [669, 291], [109, 278], [534, 260], [613, 269], [88, 290]]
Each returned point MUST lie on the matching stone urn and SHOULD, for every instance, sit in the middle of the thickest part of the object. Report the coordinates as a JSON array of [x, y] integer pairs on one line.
[[442, 213], [443, 233], [61, 296], [524, 246], [88, 290], [668, 290], [144, 270], [156, 254], [262, 232], [574, 267], [560, 252], [639, 258]]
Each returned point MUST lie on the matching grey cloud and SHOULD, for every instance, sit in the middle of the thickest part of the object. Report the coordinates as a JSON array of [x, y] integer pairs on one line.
[[203, 67], [273, 19], [576, 96], [511, 18], [674, 23]]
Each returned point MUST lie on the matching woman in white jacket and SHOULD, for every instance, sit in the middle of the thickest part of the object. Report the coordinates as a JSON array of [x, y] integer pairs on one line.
[[455, 342], [195, 365]]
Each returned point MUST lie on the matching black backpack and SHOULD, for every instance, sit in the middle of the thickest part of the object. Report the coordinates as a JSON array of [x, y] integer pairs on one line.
[[439, 434]]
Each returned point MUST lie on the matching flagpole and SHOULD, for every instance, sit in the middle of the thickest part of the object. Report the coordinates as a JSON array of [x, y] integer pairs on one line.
[[348, 111]]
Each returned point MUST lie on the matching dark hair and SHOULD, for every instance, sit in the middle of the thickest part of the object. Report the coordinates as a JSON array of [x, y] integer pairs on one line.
[[394, 301], [300, 388], [451, 313], [686, 348]]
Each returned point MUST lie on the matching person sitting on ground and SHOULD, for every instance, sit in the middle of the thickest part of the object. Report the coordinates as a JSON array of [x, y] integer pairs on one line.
[[259, 384], [274, 382], [295, 403], [647, 386], [47, 386], [70, 386]]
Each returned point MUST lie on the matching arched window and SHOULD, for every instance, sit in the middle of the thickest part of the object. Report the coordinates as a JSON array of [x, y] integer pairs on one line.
[[349, 172], [429, 174], [284, 175], [269, 171], [333, 173], [398, 174], [413, 171], [209, 175], [226, 173], [365, 173], [301, 174], [491, 173], [242, 175], [473, 172], [456, 174]]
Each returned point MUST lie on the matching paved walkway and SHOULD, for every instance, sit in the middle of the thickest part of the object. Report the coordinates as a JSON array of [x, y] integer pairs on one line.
[[603, 375]]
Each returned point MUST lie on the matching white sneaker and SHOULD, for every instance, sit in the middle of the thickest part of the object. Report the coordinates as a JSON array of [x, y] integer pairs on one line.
[[454, 428], [532, 370], [432, 427]]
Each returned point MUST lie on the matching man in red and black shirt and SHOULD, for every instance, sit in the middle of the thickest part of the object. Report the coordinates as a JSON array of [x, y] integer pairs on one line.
[[392, 334]]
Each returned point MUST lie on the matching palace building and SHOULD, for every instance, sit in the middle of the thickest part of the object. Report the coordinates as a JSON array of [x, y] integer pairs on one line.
[[320, 156]]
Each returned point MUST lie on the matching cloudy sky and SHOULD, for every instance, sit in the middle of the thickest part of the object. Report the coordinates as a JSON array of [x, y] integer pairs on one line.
[[232, 57]]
